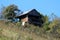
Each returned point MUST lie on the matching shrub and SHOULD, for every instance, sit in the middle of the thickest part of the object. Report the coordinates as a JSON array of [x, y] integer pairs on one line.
[[29, 38]]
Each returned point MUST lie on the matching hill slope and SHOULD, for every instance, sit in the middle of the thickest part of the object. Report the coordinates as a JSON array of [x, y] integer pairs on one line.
[[12, 31]]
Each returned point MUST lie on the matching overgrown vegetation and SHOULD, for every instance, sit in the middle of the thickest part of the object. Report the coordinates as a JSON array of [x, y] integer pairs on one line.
[[50, 30], [14, 31], [10, 12]]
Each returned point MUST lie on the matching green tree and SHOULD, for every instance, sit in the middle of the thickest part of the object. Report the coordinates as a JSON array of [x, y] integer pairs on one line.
[[55, 25], [46, 23], [9, 11]]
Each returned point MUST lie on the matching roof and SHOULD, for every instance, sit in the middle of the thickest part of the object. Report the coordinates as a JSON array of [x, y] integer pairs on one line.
[[26, 12]]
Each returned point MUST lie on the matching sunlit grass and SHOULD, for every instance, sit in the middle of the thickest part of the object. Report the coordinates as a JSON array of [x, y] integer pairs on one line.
[[14, 31]]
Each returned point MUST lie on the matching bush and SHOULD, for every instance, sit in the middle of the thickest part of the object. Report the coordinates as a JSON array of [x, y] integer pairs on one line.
[[29, 38]]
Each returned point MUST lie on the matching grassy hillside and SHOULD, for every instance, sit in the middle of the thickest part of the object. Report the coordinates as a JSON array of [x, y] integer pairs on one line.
[[14, 31]]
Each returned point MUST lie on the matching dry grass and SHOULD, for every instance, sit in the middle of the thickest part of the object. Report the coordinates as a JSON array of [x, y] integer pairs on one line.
[[12, 31]]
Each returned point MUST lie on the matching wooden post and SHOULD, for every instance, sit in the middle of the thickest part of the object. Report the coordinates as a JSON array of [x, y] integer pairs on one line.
[[23, 23]]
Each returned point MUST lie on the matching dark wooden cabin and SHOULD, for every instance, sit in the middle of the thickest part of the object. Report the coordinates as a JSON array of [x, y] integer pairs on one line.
[[32, 17]]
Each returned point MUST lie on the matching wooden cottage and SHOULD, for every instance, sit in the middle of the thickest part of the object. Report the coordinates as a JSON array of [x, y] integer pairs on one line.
[[32, 17]]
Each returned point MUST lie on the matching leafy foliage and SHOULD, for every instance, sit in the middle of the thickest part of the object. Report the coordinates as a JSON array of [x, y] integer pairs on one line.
[[9, 11], [55, 25], [46, 23]]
